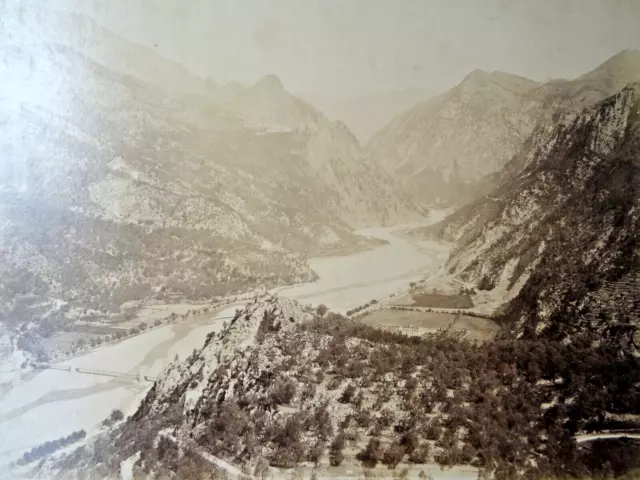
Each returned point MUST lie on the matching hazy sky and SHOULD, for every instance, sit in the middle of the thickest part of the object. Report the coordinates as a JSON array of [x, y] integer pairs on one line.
[[338, 45]]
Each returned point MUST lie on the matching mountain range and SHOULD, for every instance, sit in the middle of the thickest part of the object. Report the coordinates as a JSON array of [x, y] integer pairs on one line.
[[127, 177], [559, 235], [445, 149], [151, 183]]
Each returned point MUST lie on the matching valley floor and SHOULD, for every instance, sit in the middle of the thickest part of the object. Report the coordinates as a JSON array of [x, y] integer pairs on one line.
[[52, 403]]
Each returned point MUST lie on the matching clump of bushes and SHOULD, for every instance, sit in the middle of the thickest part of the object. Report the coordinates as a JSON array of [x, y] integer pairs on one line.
[[116, 416], [283, 391], [321, 310]]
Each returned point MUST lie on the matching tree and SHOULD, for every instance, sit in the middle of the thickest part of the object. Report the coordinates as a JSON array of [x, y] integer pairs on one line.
[[283, 391], [386, 418], [315, 452], [372, 453], [347, 394], [432, 431], [393, 456], [335, 450], [409, 441], [363, 418], [321, 310], [420, 454], [116, 415], [287, 456], [323, 425]]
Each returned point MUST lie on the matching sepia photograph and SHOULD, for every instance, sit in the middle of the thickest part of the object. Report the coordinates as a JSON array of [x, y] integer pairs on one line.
[[319, 239]]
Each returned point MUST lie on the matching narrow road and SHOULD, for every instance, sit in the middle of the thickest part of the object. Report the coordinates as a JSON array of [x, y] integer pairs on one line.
[[604, 436]]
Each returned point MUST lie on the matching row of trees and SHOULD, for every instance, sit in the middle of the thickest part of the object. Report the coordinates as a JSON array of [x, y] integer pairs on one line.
[[360, 308], [50, 447]]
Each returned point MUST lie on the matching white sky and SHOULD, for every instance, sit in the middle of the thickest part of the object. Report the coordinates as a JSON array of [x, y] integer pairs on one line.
[[354, 45]]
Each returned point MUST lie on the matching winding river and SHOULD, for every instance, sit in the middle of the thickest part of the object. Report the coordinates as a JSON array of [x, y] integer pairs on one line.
[[55, 403]]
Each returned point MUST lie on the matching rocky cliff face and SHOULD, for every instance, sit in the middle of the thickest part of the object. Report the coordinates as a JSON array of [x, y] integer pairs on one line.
[[445, 148], [563, 223]]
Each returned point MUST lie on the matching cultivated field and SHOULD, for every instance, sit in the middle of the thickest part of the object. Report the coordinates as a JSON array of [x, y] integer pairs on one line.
[[434, 300], [479, 328]]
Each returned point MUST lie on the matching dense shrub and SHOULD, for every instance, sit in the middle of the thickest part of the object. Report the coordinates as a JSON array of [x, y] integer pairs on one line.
[[283, 391]]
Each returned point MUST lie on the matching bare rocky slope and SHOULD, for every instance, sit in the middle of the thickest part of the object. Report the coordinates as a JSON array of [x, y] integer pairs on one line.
[[116, 189], [443, 150], [561, 229]]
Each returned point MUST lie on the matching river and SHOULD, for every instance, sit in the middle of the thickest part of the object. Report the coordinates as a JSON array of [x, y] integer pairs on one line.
[[54, 403]]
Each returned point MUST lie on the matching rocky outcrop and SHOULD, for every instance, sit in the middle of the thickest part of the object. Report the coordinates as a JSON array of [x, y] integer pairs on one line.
[[190, 383]]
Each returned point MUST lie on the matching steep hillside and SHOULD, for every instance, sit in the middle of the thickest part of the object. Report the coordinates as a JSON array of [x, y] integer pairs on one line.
[[445, 148], [283, 387], [113, 189], [441, 146], [563, 224], [586, 90], [358, 190]]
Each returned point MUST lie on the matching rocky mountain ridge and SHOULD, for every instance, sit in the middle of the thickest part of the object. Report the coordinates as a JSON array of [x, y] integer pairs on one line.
[[562, 223], [446, 149]]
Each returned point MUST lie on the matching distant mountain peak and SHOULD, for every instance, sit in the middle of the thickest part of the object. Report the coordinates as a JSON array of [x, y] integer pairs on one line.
[[269, 83], [505, 80], [626, 56], [477, 75], [625, 64]]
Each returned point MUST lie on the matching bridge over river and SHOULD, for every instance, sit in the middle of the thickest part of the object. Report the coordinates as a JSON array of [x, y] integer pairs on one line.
[[140, 376]]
